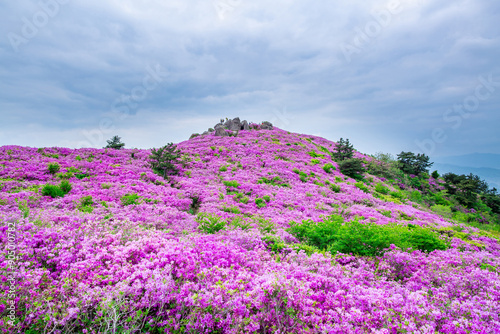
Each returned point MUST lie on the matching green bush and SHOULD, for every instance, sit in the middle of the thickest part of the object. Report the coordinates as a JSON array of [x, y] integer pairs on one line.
[[130, 199], [380, 188], [315, 161], [86, 204], [56, 190], [352, 168], [233, 184], [275, 181], [260, 202], [65, 186], [164, 161], [362, 186], [223, 169], [209, 223], [423, 239], [328, 167], [54, 168], [266, 198], [335, 188], [52, 191], [335, 235]]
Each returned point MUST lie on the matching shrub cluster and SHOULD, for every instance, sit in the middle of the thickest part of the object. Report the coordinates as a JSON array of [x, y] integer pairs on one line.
[[335, 235], [54, 191]]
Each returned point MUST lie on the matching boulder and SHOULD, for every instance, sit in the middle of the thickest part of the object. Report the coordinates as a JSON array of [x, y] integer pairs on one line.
[[221, 132], [245, 126], [266, 125]]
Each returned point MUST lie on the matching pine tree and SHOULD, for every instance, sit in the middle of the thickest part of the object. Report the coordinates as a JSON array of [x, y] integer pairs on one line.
[[115, 142], [164, 160], [343, 150]]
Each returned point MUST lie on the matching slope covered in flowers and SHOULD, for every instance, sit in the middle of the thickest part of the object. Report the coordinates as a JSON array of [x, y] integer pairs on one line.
[[126, 250]]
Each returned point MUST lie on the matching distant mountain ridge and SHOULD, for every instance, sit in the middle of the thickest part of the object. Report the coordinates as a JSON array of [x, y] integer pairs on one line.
[[485, 165]]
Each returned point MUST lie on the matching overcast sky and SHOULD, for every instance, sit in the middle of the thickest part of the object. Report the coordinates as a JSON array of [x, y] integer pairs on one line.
[[413, 75]]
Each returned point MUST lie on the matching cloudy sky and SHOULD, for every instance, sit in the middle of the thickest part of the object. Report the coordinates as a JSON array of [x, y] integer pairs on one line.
[[413, 75]]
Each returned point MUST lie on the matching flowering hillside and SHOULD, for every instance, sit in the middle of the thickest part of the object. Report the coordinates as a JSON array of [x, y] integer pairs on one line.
[[93, 241]]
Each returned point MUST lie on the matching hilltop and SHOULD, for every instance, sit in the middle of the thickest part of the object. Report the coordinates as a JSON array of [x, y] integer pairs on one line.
[[257, 231]]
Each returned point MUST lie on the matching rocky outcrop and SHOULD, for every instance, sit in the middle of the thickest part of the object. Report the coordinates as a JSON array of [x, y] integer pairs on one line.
[[234, 125]]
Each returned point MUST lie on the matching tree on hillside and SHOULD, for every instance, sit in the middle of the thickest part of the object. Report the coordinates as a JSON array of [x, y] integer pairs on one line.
[[410, 163], [164, 160], [343, 150], [353, 168], [115, 142]]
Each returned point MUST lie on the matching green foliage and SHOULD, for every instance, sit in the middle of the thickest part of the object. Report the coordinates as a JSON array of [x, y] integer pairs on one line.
[[266, 198], [435, 174], [362, 186], [343, 150], [54, 168], [238, 222], [335, 188], [335, 235], [231, 184], [328, 167], [314, 154], [56, 190], [86, 204], [260, 202], [210, 223], [352, 168], [22, 205], [275, 181], [65, 186], [232, 209], [380, 188], [442, 210], [410, 163], [164, 161], [115, 143], [223, 169], [315, 161], [130, 199]]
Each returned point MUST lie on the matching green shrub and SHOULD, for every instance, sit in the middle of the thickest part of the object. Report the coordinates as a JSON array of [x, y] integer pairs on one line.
[[223, 169], [209, 223], [352, 168], [129, 199], [328, 167], [275, 181], [65, 186], [232, 209], [362, 186], [335, 235], [266, 198], [442, 210], [335, 188], [233, 184], [54, 168], [380, 188], [423, 239], [115, 143], [86, 204], [260, 202], [164, 161], [315, 161], [56, 190], [52, 191]]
